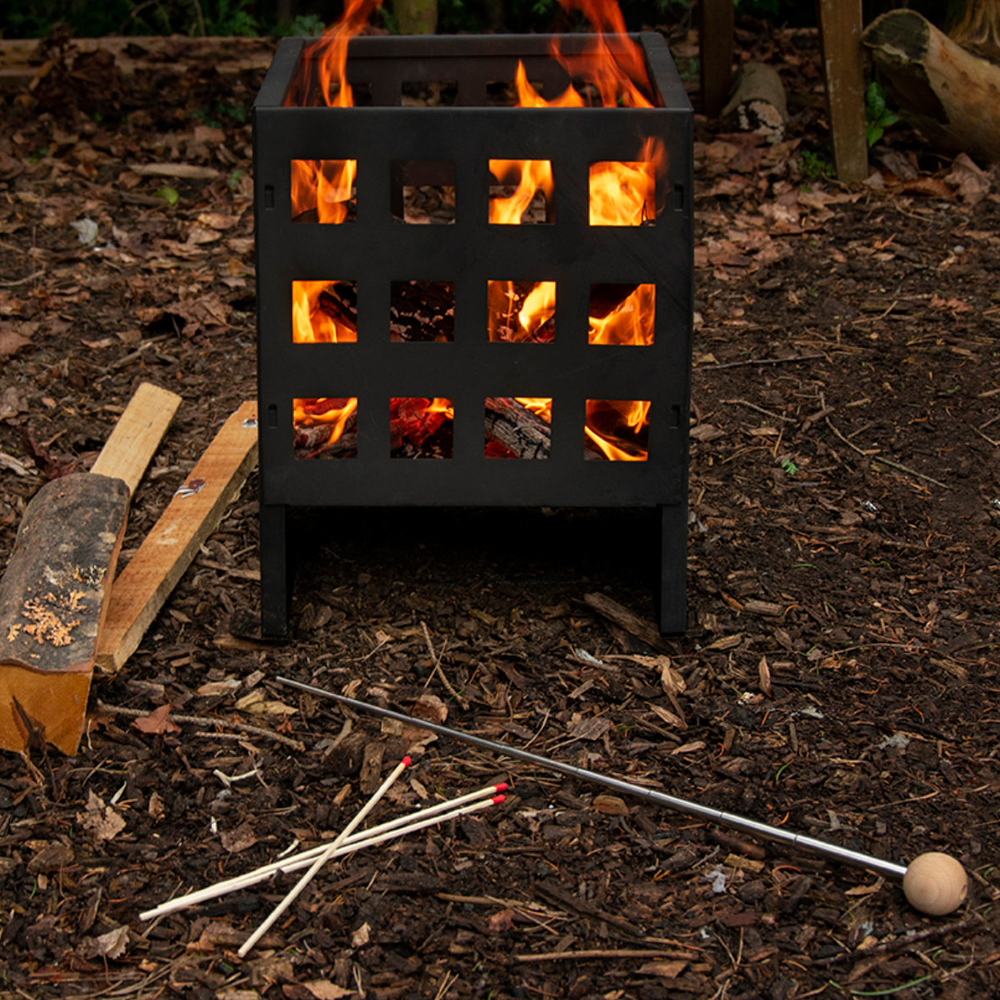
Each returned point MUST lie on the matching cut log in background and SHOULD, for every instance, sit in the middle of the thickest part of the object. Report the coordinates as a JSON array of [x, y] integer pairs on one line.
[[949, 93]]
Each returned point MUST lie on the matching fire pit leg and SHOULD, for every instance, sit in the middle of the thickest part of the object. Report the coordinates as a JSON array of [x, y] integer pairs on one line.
[[274, 576], [673, 569]]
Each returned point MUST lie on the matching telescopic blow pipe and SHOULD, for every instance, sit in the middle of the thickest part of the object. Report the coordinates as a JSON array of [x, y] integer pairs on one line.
[[720, 816]]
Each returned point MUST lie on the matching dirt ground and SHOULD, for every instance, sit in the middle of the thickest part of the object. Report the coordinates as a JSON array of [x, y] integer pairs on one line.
[[839, 676]]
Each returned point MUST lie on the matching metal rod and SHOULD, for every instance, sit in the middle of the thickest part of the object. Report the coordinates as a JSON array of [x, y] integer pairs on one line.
[[751, 826]]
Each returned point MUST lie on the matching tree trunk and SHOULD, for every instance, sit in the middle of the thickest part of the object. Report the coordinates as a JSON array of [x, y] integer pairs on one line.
[[416, 17], [949, 94]]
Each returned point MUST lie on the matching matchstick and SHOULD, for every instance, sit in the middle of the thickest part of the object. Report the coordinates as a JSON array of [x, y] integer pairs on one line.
[[322, 858], [401, 827]]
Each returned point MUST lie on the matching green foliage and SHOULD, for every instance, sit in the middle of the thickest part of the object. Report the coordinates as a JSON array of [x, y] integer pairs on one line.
[[878, 117], [813, 165]]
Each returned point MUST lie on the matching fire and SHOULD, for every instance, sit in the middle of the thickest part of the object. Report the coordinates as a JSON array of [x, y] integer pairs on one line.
[[624, 194], [630, 323], [618, 427], [325, 412], [325, 187], [528, 322], [539, 405], [421, 427], [530, 177], [311, 323]]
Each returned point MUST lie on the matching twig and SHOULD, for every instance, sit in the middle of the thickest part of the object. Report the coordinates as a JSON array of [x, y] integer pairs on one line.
[[901, 942], [850, 444], [204, 720], [759, 409], [436, 668], [757, 361], [585, 953], [22, 281], [322, 858], [911, 472]]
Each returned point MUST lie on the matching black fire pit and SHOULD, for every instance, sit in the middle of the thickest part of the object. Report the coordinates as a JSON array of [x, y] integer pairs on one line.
[[422, 386]]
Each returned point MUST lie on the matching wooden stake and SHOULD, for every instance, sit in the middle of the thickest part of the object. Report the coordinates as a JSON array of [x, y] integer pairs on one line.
[[843, 66], [196, 509], [323, 858]]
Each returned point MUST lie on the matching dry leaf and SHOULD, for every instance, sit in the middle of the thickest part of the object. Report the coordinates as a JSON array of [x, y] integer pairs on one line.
[[610, 805], [158, 721], [764, 673], [361, 936], [323, 989], [500, 921], [666, 970], [109, 945], [100, 820], [239, 839], [156, 807], [10, 340], [588, 729], [431, 708]]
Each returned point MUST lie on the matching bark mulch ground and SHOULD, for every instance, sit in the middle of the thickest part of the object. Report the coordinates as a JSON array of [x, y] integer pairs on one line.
[[839, 677]]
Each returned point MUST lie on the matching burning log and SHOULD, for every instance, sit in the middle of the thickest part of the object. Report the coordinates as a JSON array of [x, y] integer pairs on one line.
[[317, 441], [523, 433], [951, 95], [55, 592]]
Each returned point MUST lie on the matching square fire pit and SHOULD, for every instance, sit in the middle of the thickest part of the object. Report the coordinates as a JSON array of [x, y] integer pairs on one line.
[[427, 338]]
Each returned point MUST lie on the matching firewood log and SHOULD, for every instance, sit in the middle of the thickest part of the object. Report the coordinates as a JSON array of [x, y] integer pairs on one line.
[[951, 95], [523, 433]]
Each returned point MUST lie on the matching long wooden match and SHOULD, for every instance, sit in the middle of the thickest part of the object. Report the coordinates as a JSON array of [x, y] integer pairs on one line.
[[323, 857], [441, 812]]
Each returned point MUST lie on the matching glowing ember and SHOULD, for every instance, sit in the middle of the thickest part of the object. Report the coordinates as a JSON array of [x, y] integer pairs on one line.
[[321, 423], [317, 315], [421, 427]]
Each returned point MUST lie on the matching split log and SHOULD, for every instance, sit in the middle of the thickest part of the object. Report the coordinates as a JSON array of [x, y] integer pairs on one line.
[[55, 592], [951, 95], [166, 552]]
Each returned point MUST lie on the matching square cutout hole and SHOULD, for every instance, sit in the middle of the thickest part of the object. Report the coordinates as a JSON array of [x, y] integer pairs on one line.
[[617, 430], [325, 427], [521, 192], [423, 192], [422, 311], [324, 312], [622, 315], [324, 191], [518, 427], [623, 193], [521, 311], [421, 427]]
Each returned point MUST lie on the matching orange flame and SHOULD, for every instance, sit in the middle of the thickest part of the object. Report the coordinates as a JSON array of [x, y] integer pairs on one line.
[[323, 186], [530, 176], [538, 308], [324, 410], [311, 324], [624, 194], [629, 323], [627, 422], [539, 405]]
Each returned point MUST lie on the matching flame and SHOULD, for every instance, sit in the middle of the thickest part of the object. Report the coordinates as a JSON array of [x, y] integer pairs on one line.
[[539, 405], [538, 308], [311, 324], [530, 176], [528, 97], [624, 194], [323, 186], [324, 410], [628, 423], [629, 323]]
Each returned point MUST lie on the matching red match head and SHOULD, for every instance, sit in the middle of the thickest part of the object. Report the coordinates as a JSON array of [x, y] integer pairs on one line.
[[497, 799]]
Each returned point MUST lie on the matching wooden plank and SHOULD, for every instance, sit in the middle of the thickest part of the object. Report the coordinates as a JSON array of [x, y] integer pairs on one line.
[[143, 586], [715, 33], [55, 591], [843, 65], [137, 435]]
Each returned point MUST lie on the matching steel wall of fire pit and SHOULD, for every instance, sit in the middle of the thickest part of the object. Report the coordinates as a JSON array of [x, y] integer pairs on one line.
[[375, 249]]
